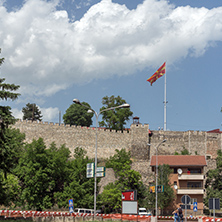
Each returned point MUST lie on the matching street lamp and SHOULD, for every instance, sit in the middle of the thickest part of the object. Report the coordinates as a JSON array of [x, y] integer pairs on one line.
[[157, 171], [97, 116]]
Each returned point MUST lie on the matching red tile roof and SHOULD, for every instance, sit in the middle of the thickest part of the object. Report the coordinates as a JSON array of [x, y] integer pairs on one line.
[[215, 131], [179, 160]]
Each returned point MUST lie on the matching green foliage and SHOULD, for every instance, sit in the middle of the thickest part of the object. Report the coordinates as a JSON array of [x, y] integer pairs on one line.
[[110, 199], [31, 112], [10, 189], [6, 90], [214, 181], [41, 172], [168, 195], [77, 186], [77, 115], [114, 119], [34, 173], [183, 152], [165, 198], [127, 179], [11, 147], [11, 140], [119, 160]]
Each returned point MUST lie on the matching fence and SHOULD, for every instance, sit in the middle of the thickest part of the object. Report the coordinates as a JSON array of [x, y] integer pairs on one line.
[[66, 216]]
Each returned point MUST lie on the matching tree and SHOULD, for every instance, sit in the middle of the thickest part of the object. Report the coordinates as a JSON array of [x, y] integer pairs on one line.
[[5, 92], [10, 190], [78, 115], [119, 160], [214, 181], [114, 119], [34, 174], [77, 186], [165, 198], [11, 140], [183, 152], [110, 199], [31, 112], [42, 173]]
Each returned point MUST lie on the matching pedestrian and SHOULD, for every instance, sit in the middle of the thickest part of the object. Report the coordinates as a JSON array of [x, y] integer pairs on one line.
[[176, 215], [180, 211]]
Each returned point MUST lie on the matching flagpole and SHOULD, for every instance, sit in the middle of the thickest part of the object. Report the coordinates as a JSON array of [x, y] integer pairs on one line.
[[165, 102]]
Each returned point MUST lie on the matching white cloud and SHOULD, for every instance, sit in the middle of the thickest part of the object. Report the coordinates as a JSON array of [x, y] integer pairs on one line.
[[45, 52], [49, 114], [17, 113]]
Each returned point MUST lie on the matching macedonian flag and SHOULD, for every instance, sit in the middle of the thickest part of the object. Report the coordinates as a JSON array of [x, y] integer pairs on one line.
[[160, 72]]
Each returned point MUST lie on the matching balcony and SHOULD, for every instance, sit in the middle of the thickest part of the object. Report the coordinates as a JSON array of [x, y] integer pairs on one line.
[[193, 176], [190, 190]]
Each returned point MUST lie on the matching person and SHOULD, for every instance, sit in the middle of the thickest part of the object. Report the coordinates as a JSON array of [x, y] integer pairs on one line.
[[191, 216], [176, 215], [180, 211]]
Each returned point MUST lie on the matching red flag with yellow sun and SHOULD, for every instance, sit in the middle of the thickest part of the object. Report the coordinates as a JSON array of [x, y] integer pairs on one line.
[[160, 72]]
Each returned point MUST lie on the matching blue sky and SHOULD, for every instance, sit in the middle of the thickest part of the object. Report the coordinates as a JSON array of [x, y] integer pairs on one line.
[[60, 50]]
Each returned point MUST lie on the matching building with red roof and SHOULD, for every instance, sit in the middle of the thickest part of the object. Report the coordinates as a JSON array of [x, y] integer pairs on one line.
[[187, 178]]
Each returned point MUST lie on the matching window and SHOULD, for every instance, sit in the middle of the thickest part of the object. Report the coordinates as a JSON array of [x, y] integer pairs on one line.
[[175, 170], [209, 157], [197, 170], [194, 185]]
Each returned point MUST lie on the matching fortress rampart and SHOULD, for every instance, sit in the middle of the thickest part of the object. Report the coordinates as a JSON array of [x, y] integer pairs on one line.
[[139, 140]]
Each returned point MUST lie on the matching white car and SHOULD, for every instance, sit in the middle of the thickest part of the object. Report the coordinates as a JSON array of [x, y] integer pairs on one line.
[[143, 212]]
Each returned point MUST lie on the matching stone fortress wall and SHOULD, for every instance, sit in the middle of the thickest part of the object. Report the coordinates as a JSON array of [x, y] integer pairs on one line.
[[139, 140]]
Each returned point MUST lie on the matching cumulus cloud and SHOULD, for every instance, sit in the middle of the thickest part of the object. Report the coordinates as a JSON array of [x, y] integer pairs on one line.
[[49, 114], [45, 52], [17, 113]]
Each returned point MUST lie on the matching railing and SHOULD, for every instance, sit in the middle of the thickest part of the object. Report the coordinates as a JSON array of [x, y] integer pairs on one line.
[[190, 187], [191, 176], [190, 190]]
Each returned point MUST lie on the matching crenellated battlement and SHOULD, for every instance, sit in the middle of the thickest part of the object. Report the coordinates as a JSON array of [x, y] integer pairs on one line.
[[139, 140], [40, 123], [134, 139]]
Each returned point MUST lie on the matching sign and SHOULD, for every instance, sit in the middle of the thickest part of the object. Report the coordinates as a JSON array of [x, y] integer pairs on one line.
[[185, 199], [129, 195], [152, 189], [100, 174], [195, 204], [129, 207], [71, 210], [195, 209], [160, 188], [214, 203], [90, 170], [100, 171]]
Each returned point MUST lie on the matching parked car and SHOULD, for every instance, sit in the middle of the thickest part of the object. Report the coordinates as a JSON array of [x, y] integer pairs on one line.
[[143, 212]]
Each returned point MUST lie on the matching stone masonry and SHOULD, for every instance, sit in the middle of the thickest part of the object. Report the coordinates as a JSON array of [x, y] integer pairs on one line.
[[139, 140]]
